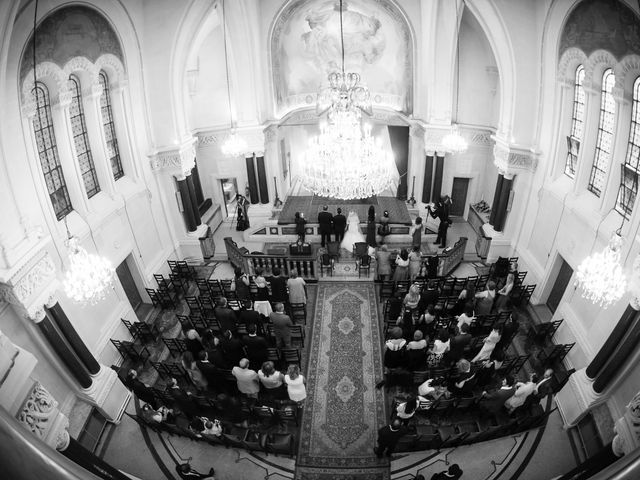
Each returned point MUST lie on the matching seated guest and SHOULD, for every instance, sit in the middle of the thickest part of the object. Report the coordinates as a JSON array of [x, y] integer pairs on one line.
[[271, 379], [434, 389], [295, 384], [509, 329], [197, 426], [278, 286], [212, 428], [523, 390], [485, 374], [231, 409], [192, 340], [547, 385], [485, 299], [143, 392], [465, 318], [430, 295], [489, 343], [416, 352], [406, 410], [182, 400], [440, 347], [262, 304], [394, 350], [196, 376], [212, 374], [232, 347], [225, 316], [463, 385], [412, 298], [493, 400], [256, 346], [458, 344], [427, 321], [508, 286], [247, 379]]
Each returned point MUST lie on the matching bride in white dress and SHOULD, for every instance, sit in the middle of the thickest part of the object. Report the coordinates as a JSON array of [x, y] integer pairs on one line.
[[353, 234]]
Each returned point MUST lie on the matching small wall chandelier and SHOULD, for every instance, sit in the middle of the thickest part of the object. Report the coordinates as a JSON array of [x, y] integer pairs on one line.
[[234, 145], [345, 161], [600, 275], [88, 276], [453, 142]]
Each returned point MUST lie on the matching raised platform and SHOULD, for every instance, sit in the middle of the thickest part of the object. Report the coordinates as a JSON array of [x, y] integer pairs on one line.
[[310, 205]]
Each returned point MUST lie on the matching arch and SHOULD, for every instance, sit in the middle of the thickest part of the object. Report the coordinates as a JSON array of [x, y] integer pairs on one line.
[[48, 73], [627, 71], [597, 63], [84, 69], [113, 68], [568, 64]]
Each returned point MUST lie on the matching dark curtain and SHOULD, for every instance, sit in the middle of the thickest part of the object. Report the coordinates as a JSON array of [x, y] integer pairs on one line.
[[262, 180], [428, 179], [195, 175], [437, 181], [399, 137], [251, 178]]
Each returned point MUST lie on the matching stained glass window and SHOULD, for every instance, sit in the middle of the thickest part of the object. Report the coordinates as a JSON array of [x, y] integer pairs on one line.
[[629, 175], [80, 140], [577, 124], [48, 153], [109, 129], [604, 143]]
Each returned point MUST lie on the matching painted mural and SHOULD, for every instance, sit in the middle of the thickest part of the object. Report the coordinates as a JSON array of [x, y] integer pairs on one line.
[[602, 24], [71, 32], [305, 48]]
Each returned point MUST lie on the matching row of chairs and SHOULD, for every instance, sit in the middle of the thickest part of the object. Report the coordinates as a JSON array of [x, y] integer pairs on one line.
[[163, 298], [510, 366], [182, 269], [204, 305], [232, 436], [217, 288]]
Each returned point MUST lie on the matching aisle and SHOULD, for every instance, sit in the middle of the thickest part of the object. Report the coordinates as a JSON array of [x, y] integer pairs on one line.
[[343, 410]]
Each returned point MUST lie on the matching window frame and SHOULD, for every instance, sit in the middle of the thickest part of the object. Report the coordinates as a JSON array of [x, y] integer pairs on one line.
[[47, 149], [109, 129], [80, 139], [577, 124], [630, 169], [605, 138]]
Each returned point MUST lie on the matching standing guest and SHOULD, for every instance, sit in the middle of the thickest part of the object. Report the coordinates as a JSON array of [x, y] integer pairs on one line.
[[371, 228], [466, 298], [415, 262], [140, 390], [210, 372], [384, 229], [464, 383], [493, 401], [440, 347], [485, 299], [194, 345], [383, 263], [257, 347], [394, 349], [281, 326], [454, 472], [325, 221], [484, 375], [489, 344], [300, 222], [248, 316], [388, 438], [297, 288], [232, 347], [416, 233], [458, 344], [262, 304], [509, 329], [225, 315], [465, 318], [241, 284], [182, 400], [196, 376], [271, 379], [278, 286], [417, 352], [441, 211], [523, 390], [295, 384], [247, 379], [339, 225], [402, 266], [214, 352]]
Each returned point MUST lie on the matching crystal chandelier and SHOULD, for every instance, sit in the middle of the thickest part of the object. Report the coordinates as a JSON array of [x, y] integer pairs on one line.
[[344, 161], [600, 274], [234, 145], [88, 276]]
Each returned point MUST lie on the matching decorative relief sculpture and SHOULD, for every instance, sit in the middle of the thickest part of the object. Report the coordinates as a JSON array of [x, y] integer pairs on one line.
[[41, 416], [627, 429]]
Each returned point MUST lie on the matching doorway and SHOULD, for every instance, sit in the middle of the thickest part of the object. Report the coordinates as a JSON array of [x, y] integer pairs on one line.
[[565, 273], [229, 192], [459, 196], [128, 284]]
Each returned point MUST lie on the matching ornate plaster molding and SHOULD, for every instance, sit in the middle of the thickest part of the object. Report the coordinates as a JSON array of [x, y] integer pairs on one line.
[[29, 281], [510, 160], [41, 416], [476, 137], [627, 429], [256, 138], [178, 161]]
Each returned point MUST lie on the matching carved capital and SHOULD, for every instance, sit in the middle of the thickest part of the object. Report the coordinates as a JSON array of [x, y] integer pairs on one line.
[[510, 160], [41, 416], [178, 161]]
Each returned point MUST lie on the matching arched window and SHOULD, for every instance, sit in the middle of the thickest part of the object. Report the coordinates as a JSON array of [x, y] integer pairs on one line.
[[80, 140], [604, 143], [48, 153], [109, 129], [629, 176], [577, 124]]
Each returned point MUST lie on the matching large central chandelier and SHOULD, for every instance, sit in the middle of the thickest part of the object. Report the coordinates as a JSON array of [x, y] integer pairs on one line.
[[344, 161], [88, 276], [234, 145], [600, 274]]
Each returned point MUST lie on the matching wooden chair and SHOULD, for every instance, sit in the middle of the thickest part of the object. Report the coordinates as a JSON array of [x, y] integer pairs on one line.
[[280, 443], [298, 313], [288, 414], [540, 332], [175, 345], [326, 263], [291, 356], [297, 334], [386, 289], [360, 249], [364, 264], [139, 331], [333, 249], [129, 351], [555, 353]]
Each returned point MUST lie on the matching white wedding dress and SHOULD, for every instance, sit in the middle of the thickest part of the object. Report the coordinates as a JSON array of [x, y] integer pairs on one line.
[[353, 234]]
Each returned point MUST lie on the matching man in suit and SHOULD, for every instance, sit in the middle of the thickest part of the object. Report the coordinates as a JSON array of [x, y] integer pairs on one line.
[[458, 343], [547, 385], [257, 347], [493, 401], [210, 371], [278, 286], [509, 329], [225, 316], [388, 437], [441, 211], [232, 347], [281, 326], [325, 219], [339, 225], [182, 400]]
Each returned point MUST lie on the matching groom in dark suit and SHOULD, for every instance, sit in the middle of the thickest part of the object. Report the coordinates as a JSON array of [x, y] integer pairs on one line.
[[325, 219], [339, 225]]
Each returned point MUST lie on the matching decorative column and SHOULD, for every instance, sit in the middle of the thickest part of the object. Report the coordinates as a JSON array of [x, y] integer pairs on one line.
[[416, 163], [187, 206], [501, 201], [194, 199]]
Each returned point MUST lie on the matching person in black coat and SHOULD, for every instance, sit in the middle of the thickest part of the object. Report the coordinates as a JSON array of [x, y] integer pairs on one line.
[[257, 348], [325, 220], [493, 401], [249, 316], [339, 225], [232, 347], [509, 329], [193, 343], [181, 400], [225, 316], [441, 211], [300, 222], [210, 371], [278, 286], [458, 343], [388, 437], [140, 390]]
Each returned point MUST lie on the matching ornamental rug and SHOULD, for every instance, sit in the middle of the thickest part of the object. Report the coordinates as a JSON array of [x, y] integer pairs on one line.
[[343, 410]]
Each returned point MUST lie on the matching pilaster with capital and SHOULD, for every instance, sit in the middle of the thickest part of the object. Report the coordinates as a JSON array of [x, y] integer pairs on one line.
[[177, 161]]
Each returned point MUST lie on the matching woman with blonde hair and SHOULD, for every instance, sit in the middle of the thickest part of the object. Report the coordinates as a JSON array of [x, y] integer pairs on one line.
[[295, 384]]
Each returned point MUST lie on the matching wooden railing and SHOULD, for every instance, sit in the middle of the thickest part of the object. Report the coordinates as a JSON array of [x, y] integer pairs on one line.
[[447, 262]]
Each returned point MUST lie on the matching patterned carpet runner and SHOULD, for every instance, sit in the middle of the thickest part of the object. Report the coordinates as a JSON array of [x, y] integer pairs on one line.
[[343, 410]]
